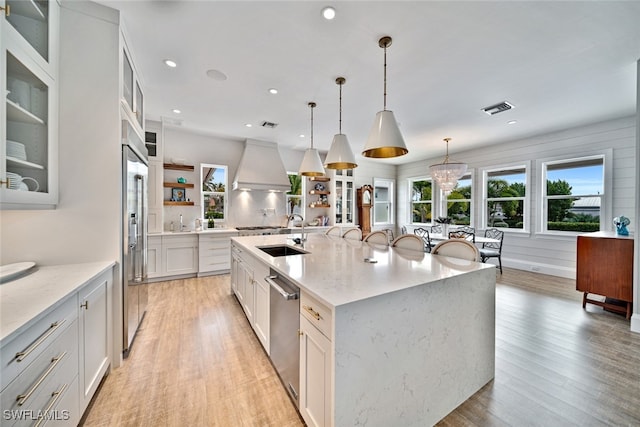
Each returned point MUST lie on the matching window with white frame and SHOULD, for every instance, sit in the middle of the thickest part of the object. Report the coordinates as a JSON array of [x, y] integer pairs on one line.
[[459, 201], [383, 201], [295, 194], [506, 197], [573, 192], [214, 192], [421, 200]]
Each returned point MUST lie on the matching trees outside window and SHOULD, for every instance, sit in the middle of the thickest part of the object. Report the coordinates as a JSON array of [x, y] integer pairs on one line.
[[294, 195], [421, 200], [506, 197], [573, 191], [459, 201], [214, 192]]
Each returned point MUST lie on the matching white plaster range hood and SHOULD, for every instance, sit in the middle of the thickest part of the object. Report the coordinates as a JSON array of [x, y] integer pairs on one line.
[[261, 168]]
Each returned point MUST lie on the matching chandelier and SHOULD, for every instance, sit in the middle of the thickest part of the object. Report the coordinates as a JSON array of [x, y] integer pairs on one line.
[[447, 173]]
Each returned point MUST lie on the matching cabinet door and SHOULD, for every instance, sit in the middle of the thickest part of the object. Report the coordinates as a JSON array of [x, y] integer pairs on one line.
[[261, 312], [94, 347], [248, 302], [154, 257], [315, 376], [179, 255]]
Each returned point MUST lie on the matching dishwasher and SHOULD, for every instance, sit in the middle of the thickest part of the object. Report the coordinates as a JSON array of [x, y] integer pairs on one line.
[[284, 323]]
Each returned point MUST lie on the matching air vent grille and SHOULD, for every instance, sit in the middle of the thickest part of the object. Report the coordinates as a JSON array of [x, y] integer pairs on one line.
[[498, 108], [269, 125]]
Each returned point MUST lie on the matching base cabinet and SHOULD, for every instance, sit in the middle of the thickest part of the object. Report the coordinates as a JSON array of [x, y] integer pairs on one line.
[[214, 252], [315, 375], [94, 336], [252, 291]]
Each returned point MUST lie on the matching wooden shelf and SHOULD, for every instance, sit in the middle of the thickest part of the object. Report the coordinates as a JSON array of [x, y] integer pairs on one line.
[[319, 192], [170, 203], [320, 178], [176, 185], [175, 167], [315, 205]]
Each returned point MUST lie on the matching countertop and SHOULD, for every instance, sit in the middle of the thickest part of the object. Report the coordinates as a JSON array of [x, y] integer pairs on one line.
[[26, 298], [607, 235], [295, 229], [335, 272]]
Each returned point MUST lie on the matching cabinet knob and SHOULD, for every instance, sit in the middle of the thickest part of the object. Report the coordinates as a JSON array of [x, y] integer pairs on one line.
[[7, 10], [300, 333], [85, 305]]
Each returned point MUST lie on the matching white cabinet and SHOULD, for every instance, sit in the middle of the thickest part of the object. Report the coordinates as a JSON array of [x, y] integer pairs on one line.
[[179, 255], [94, 335], [344, 190], [131, 95], [252, 291], [154, 256], [214, 252], [154, 211], [315, 362], [315, 375], [29, 112]]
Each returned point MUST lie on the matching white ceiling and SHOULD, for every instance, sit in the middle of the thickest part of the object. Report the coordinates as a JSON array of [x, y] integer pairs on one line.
[[561, 64]]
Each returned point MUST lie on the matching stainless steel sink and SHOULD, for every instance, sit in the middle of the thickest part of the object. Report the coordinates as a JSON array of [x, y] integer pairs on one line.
[[281, 250]]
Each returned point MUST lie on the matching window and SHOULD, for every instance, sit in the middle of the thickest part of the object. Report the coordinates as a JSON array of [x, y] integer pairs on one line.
[[294, 195], [506, 197], [573, 192], [214, 192], [459, 201], [383, 201], [421, 200]]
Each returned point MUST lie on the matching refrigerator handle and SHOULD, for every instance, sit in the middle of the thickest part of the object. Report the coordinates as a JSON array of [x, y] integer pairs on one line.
[[138, 256]]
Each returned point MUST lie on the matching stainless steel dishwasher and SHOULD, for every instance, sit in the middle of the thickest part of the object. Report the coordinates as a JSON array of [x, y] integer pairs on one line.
[[284, 325]]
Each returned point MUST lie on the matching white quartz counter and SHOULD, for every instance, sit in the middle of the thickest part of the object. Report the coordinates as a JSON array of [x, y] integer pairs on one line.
[[213, 231], [26, 298], [334, 270]]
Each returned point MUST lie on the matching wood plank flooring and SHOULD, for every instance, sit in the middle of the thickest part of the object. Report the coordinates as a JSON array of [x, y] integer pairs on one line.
[[196, 362]]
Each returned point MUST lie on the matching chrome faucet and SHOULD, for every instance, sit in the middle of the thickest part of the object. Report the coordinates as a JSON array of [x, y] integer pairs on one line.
[[292, 217], [181, 225]]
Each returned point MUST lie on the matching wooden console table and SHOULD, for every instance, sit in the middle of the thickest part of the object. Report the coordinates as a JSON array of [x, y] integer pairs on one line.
[[605, 267]]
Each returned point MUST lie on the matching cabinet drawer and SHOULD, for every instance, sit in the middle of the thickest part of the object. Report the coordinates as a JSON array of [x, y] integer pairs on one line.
[[44, 378], [317, 313], [214, 263], [217, 243], [19, 353]]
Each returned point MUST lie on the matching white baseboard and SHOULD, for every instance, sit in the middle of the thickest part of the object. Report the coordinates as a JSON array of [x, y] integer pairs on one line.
[[552, 270], [635, 322]]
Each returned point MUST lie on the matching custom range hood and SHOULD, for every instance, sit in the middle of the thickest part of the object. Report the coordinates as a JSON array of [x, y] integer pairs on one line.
[[261, 168]]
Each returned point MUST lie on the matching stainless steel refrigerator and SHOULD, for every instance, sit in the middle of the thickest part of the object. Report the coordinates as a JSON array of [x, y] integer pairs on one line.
[[134, 226]]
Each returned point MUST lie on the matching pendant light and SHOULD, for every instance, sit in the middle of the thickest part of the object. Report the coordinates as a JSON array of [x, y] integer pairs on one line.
[[340, 155], [447, 173], [385, 139], [311, 164]]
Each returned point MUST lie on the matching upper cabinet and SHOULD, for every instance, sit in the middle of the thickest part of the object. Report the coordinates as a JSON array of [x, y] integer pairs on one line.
[[29, 112], [345, 197], [132, 95]]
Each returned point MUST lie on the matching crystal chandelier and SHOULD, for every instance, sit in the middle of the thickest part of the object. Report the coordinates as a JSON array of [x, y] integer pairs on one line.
[[447, 173]]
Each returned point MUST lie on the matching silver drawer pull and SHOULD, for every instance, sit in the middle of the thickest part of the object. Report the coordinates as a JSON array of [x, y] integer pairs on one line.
[[312, 312], [22, 398], [21, 355], [54, 398]]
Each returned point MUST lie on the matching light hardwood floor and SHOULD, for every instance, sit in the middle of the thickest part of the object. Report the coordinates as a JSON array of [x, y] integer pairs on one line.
[[196, 362]]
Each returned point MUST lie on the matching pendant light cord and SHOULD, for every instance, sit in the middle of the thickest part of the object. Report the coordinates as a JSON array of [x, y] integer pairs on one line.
[[312, 125], [385, 79], [340, 116]]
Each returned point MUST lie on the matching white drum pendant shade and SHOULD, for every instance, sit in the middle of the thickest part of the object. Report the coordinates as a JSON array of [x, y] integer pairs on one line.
[[340, 155], [311, 164], [385, 139]]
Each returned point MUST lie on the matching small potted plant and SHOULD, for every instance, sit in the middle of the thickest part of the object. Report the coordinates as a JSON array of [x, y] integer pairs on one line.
[[445, 221]]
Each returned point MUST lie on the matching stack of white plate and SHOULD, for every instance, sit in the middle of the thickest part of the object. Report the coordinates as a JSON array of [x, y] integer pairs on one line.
[[14, 180], [17, 150]]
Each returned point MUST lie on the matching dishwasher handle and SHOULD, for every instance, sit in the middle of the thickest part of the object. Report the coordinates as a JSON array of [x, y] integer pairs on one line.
[[286, 295]]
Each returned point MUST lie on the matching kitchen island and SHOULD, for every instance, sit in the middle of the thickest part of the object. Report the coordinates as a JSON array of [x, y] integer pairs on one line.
[[401, 341]]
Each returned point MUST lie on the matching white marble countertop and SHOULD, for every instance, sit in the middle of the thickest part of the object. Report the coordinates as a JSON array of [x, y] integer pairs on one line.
[[334, 270], [194, 232], [26, 298]]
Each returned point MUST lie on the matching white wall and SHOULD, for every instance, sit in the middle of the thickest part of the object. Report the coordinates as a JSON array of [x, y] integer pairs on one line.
[[531, 251]]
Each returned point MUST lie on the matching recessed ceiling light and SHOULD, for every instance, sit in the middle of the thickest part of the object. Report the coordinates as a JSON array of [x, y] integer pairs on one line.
[[328, 13], [301, 135], [170, 63], [273, 91], [248, 125], [512, 122], [175, 110], [216, 75]]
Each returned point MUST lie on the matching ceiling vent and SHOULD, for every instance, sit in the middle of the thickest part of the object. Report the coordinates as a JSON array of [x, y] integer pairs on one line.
[[498, 108], [268, 125]]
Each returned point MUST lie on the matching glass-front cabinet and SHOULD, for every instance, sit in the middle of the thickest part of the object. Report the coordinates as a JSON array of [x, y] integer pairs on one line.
[[29, 120], [345, 197], [132, 95]]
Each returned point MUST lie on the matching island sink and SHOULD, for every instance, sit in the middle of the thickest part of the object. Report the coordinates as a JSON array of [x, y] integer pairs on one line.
[[281, 250]]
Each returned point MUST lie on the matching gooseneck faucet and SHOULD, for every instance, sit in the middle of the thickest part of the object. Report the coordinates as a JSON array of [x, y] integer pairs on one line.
[[292, 217]]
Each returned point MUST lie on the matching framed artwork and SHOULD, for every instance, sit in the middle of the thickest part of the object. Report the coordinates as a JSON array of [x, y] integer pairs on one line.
[[178, 195]]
